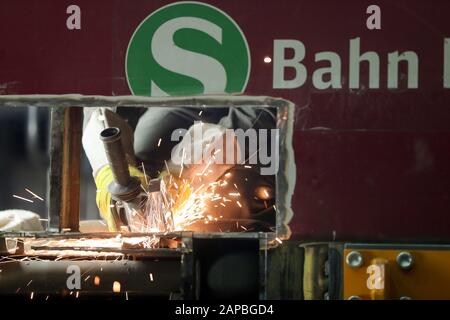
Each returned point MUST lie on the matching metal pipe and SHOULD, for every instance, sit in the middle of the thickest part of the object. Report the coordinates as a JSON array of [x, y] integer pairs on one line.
[[124, 187], [111, 138], [151, 277]]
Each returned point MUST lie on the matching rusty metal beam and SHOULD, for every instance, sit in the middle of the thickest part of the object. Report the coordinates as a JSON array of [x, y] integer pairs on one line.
[[70, 206], [65, 158], [55, 171]]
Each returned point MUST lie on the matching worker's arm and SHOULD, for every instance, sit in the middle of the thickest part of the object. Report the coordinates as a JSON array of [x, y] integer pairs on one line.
[[206, 143], [95, 122], [256, 117], [205, 150]]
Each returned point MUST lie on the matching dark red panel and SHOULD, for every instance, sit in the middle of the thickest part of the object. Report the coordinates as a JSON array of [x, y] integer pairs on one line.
[[372, 186], [38, 54]]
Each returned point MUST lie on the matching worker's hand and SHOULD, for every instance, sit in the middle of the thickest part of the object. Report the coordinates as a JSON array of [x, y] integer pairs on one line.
[[97, 120], [15, 220], [205, 153]]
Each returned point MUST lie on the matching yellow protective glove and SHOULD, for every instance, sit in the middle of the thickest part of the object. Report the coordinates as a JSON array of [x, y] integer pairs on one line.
[[103, 178]]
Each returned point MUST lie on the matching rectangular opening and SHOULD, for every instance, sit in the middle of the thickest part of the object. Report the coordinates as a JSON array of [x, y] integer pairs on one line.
[[247, 192]]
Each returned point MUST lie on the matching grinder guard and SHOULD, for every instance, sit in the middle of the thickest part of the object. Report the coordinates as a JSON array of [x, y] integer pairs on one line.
[[139, 206]]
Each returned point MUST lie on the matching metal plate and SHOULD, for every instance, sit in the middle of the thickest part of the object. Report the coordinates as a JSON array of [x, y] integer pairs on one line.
[[428, 278]]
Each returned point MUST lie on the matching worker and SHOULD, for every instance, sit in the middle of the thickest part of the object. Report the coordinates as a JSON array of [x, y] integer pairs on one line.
[[150, 144]]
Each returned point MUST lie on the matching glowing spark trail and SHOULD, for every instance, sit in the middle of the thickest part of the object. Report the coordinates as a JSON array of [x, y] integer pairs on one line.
[[22, 198], [33, 194], [145, 174]]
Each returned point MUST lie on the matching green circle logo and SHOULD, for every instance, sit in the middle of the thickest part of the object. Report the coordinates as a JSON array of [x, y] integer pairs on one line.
[[187, 48]]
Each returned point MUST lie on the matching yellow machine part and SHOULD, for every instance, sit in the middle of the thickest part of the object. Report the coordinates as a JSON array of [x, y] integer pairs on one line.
[[379, 275]]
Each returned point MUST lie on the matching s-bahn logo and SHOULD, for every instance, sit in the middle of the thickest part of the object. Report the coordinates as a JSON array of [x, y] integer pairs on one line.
[[187, 48]]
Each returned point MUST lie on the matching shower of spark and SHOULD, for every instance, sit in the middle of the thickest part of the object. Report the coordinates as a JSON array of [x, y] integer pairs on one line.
[[179, 203]]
